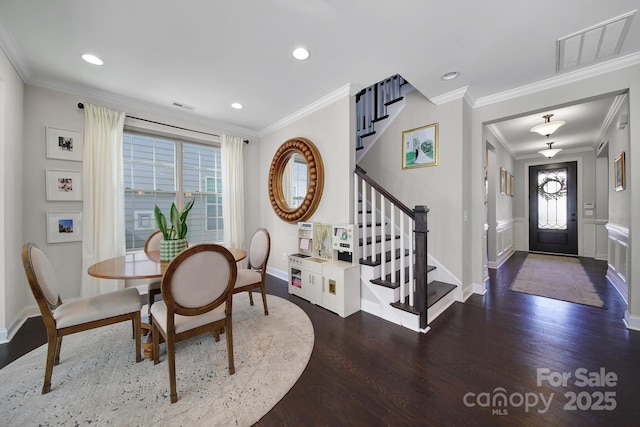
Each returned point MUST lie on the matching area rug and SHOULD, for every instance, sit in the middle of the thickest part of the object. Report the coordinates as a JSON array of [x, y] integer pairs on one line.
[[557, 277], [98, 381]]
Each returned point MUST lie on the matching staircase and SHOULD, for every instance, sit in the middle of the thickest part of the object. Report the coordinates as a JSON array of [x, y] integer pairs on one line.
[[376, 107], [397, 281]]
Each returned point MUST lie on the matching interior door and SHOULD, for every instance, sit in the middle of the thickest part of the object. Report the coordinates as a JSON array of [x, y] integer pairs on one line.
[[553, 200]]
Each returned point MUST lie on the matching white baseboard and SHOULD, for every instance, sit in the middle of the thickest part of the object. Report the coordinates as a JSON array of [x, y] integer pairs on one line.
[[631, 321], [280, 274], [6, 334]]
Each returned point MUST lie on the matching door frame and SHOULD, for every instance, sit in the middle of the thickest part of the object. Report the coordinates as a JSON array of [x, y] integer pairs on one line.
[[579, 208]]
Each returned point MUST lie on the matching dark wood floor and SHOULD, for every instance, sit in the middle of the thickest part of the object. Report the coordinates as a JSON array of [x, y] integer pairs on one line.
[[365, 371]]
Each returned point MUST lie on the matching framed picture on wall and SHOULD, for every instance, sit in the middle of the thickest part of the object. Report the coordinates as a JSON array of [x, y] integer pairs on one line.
[[420, 147], [63, 185], [64, 227], [503, 181], [64, 144], [511, 186], [619, 172]]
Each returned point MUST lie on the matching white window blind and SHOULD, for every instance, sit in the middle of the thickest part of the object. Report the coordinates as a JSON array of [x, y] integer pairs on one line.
[[159, 170]]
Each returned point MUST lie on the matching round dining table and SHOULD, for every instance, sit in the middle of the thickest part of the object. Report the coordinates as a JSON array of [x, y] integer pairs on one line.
[[141, 265]]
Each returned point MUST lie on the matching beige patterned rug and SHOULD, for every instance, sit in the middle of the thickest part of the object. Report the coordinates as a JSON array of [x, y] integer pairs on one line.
[[557, 277], [98, 382]]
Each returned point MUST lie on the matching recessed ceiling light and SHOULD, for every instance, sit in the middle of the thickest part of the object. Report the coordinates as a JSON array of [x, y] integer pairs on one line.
[[92, 59], [301, 54], [237, 106], [450, 75]]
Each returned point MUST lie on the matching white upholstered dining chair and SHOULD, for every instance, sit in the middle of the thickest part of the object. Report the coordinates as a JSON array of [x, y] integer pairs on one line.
[[79, 315], [197, 292], [253, 276], [153, 244]]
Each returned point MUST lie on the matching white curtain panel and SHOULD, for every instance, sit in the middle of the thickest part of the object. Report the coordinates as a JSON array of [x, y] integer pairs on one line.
[[103, 192], [233, 191]]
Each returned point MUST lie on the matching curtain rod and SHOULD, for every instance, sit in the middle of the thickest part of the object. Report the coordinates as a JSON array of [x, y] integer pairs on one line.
[[246, 141]]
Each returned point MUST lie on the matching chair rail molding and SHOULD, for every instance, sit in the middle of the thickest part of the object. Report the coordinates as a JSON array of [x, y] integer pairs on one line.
[[619, 259]]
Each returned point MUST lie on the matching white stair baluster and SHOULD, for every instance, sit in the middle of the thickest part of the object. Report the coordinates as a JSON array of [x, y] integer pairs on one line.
[[412, 285], [392, 232], [383, 241], [363, 206], [403, 292]]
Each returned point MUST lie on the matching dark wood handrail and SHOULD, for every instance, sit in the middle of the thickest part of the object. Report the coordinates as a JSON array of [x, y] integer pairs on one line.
[[404, 208]]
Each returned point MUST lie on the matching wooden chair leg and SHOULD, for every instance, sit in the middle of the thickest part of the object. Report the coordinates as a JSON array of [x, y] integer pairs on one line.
[[250, 297], [155, 333], [171, 356], [232, 368], [264, 298], [56, 361], [52, 345], [138, 334], [216, 334]]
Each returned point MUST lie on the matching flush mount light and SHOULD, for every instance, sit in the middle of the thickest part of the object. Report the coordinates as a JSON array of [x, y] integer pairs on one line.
[[547, 128], [92, 59], [237, 106], [450, 75], [301, 54]]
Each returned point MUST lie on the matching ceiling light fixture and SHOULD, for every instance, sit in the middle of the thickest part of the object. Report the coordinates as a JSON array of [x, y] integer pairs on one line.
[[450, 75], [548, 127], [301, 54], [237, 106], [550, 152], [92, 59]]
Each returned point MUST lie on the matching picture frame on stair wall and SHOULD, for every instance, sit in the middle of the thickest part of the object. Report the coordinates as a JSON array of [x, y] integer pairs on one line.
[[420, 147], [619, 172]]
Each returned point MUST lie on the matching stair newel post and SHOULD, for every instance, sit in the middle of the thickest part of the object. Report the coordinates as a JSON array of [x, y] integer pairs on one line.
[[421, 231]]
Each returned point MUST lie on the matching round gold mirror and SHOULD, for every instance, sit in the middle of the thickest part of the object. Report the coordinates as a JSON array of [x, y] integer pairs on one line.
[[296, 180]]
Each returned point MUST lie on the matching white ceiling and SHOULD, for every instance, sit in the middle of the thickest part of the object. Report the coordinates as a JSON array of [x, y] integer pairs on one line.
[[208, 54]]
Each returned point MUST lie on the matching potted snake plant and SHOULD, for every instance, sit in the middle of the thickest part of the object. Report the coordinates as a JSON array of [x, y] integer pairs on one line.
[[174, 238]]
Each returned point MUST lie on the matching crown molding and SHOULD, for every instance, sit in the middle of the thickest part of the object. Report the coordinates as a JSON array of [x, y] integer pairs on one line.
[[344, 91], [10, 49], [136, 104], [617, 103], [501, 139], [573, 76], [450, 96]]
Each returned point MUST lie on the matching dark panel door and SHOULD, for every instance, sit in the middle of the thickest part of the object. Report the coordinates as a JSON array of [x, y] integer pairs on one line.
[[553, 200]]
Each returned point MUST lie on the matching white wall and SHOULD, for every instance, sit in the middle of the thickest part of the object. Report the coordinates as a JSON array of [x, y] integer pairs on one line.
[[13, 285], [330, 130], [46, 107], [500, 233], [439, 187]]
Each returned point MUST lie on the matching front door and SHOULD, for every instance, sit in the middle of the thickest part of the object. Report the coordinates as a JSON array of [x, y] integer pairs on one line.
[[553, 200]]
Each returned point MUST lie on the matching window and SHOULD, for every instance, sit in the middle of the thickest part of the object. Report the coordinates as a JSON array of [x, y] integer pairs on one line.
[[160, 171]]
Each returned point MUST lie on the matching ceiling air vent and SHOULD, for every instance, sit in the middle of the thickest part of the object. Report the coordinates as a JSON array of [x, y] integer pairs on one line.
[[181, 105], [594, 44]]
